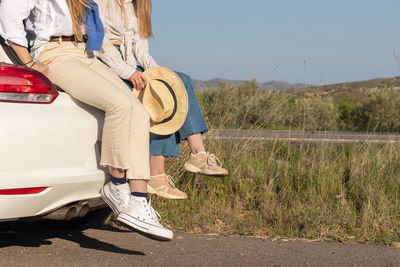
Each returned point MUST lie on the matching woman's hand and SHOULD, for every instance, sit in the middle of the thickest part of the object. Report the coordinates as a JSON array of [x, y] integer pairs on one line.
[[138, 80], [23, 54], [41, 67]]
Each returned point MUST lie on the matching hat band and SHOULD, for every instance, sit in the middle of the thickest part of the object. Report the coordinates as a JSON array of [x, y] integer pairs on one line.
[[175, 100]]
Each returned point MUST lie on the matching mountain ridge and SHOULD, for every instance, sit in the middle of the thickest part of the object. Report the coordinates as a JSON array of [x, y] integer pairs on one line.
[[276, 85], [281, 85]]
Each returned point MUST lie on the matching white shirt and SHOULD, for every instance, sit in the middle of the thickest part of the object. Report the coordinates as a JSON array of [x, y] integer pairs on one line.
[[132, 46], [43, 19]]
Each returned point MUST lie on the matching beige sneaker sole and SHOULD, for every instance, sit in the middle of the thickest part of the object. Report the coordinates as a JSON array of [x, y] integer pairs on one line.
[[163, 194], [191, 168]]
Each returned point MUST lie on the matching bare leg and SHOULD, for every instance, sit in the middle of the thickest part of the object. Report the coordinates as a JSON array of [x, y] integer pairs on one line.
[[160, 183], [196, 143], [203, 163], [117, 173], [157, 165], [139, 186]]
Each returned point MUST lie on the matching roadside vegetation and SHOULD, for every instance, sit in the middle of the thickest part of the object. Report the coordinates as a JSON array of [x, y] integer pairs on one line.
[[277, 189], [345, 192], [321, 108]]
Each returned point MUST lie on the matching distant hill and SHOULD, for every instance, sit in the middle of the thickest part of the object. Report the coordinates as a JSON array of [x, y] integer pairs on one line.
[[351, 90], [277, 85]]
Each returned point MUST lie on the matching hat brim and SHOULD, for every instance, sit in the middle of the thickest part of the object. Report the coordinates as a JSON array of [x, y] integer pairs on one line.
[[176, 122]]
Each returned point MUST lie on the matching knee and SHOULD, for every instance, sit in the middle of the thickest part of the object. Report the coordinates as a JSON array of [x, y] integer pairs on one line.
[[140, 113], [121, 105]]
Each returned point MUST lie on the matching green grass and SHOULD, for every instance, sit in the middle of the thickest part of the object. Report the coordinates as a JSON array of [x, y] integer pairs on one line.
[[275, 189]]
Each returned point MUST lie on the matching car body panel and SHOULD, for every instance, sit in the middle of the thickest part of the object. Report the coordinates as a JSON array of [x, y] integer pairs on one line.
[[49, 145]]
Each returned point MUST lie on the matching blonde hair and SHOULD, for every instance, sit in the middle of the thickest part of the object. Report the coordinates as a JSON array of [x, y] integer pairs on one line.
[[77, 9], [143, 14]]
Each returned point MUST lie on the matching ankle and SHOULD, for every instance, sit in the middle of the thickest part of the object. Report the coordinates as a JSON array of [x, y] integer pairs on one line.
[[138, 185], [198, 154], [140, 194], [117, 181], [157, 175]]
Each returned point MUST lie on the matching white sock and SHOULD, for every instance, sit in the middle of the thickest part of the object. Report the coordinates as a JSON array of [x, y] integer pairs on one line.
[[158, 175], [198, 154]]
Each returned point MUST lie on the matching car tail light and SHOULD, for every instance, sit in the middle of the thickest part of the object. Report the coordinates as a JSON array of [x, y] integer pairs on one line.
[[20, 84], [22, 191]]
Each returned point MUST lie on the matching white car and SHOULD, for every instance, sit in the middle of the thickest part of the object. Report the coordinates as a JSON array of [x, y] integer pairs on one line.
[[49, 148]]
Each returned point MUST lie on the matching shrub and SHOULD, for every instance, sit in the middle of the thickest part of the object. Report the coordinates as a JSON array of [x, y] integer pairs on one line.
[[346, 114], [313, 113], [245, 106], [379, 111]]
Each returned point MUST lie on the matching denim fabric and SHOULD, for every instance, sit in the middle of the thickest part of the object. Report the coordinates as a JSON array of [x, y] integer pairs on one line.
[[168, 145]]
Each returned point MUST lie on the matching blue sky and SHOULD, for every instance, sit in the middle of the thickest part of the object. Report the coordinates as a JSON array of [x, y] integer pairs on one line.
[[312, 41]]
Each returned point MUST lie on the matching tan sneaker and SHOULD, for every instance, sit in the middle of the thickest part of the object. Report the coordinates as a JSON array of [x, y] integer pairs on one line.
[[164, 186], [207, 164]]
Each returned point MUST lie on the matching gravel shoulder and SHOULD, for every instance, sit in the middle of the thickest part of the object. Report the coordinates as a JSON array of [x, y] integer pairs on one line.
[[34, 244]]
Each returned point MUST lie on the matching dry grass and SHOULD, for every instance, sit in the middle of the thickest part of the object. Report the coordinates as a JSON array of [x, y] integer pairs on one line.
[[330, 191], [340, 192]]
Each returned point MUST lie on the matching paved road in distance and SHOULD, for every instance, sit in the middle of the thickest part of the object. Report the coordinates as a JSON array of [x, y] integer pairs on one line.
[[304, 136]]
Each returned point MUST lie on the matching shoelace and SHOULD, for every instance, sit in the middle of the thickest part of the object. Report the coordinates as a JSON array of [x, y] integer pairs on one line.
[[170, 180], [124, 200], [154, 214], [127, 198], [213, 160]]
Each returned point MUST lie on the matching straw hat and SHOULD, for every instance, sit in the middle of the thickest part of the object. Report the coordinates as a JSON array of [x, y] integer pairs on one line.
[[165, 99]]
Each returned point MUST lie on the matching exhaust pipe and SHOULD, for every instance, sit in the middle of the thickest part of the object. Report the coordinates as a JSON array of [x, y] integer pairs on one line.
[[70, 212], [83, 210], [66, 213]]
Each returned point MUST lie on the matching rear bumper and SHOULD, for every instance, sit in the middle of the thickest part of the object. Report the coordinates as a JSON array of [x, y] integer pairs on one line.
[[64, 186], [54, 146]]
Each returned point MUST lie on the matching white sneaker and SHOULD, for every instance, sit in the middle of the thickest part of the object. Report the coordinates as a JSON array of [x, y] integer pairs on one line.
[[116, 196], [140, 216]]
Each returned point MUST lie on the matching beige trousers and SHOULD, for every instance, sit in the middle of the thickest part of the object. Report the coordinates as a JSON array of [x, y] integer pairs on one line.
[[125, 140]]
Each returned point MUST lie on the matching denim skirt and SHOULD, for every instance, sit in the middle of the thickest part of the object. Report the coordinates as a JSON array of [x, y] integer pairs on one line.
[[169, 145]]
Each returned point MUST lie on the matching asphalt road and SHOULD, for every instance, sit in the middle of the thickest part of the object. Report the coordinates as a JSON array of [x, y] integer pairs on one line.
[[305, 136], [33, 244]]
